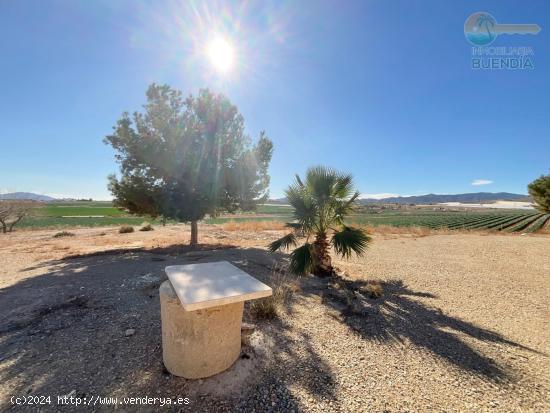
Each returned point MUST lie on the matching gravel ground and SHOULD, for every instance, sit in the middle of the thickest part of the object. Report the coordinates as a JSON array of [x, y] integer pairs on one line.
[[462, 324]]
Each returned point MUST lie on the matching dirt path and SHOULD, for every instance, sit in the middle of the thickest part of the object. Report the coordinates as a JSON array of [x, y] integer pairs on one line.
[[462, 325]]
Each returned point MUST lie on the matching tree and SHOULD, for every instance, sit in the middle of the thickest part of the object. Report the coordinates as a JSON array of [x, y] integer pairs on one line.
[[11, 212], [321, 203], [539, 190], [186, 158]]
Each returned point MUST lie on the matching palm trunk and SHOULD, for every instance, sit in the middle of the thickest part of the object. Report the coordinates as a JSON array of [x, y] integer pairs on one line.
[[194, 233], [323, 262]]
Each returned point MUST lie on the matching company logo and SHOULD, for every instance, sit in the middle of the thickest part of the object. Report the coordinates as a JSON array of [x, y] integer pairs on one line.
[[482, 29]]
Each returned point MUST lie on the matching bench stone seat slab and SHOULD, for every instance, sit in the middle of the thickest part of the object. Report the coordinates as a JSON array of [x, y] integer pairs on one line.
[[213, 284]]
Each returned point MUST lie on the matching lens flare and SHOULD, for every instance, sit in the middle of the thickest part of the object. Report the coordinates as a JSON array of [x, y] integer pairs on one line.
[[221, 54]]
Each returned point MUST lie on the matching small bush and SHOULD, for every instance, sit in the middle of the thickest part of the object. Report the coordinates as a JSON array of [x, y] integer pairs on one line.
[[374, 289], [146, 227], [269, 307], [125, 229], [63, 234]]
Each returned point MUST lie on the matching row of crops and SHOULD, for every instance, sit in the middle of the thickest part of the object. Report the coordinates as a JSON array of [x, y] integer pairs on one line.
[[519, 222], [508, 221]]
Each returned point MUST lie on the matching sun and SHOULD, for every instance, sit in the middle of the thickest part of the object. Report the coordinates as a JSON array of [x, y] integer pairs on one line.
[[221, 54]]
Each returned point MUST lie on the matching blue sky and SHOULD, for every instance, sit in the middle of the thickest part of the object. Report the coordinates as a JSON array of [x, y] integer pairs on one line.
[[381, 89]]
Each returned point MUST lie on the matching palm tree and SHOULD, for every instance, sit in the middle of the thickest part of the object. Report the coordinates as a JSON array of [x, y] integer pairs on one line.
[[320, 205], [489, 22]]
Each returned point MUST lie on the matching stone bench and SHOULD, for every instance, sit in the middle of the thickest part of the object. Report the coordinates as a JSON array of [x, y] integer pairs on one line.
[[201, 314]]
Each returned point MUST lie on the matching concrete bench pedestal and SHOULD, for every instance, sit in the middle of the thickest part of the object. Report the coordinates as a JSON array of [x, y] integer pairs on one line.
[[200, 343], [201, 315]]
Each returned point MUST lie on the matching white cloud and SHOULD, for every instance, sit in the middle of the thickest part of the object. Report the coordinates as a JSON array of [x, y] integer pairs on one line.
[[478, 182], [378, 196]]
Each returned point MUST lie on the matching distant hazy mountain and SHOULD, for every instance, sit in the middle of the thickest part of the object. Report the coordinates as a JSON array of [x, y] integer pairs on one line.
[[477, 197], [278, 201], [26, 196]]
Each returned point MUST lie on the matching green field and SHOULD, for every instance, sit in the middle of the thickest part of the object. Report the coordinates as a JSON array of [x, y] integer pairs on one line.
[[79, 214], [96, 213]]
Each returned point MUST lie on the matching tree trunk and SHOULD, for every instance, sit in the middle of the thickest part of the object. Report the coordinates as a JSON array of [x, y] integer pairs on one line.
[[10, 228], [194, 233], [323, 262]]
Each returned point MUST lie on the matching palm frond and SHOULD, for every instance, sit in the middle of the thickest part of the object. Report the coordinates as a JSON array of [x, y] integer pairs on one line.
[[305, 210], [320, 182], [302, 260], [345, 208], [350, 240], [285, 242], [343, 187]]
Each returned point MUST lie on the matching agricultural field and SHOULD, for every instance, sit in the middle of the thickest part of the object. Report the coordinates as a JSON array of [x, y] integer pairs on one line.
[[509, 221], [496, 220], [98, 213], [79, 214]]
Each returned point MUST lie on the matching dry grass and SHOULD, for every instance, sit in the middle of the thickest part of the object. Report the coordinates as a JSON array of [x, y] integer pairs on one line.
[[125, 229], [284, 286], [253, 225], [374, 289], [146, 226]]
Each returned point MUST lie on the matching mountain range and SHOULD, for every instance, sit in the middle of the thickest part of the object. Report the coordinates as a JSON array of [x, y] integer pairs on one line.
[[476, 197], [26, 196]]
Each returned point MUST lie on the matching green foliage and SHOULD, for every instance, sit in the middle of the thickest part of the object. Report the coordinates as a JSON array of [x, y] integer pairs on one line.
[[185, 158], [350, 240], [538, 224], [302, 260], [284, 243], [539, 190], [321, 203]]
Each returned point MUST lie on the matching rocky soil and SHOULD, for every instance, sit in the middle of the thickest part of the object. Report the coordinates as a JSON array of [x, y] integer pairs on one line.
[[461, 326]]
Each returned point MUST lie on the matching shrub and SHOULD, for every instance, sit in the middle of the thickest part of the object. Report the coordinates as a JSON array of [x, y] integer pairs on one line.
[[125, 229], [269, 307], [63, 234], [539, 190], [146, 227], [374, 289]]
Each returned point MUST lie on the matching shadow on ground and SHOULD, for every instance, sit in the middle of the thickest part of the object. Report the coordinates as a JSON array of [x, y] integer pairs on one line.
[[66, 332], [399, 316]]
